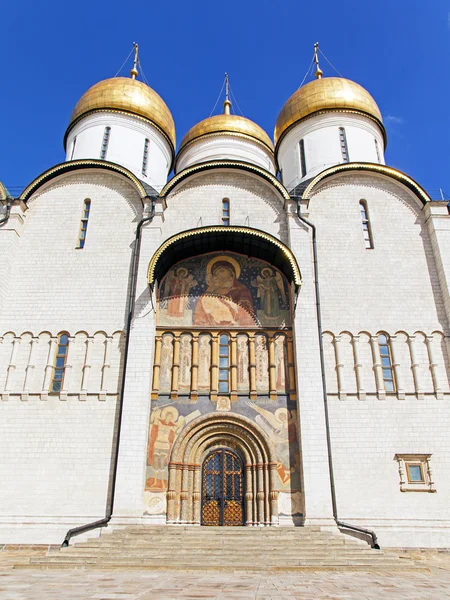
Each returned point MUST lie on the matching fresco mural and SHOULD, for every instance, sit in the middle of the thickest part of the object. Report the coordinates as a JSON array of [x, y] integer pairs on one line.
[[224, 290], [277, 418]]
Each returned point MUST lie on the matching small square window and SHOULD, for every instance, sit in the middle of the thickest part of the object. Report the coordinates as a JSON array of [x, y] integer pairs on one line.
[[415, 473]]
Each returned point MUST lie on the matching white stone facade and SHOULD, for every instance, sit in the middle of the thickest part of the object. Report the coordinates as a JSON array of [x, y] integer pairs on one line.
[[58, 448]]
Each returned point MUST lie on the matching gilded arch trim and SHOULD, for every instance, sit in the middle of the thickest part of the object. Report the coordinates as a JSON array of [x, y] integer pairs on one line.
[[75, 165], [374, 168], [244, 231], [225, 164]]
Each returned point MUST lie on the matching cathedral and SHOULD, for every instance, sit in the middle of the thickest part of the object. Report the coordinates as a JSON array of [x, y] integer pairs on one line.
[[238, 331]]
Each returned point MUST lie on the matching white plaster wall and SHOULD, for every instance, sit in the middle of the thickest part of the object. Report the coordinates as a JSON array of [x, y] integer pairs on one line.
[[57, 449], [53, 284], [197, 202], [394, 288], [226, 147], [55, 467], [365, 438], [125, 147], [323, 147]]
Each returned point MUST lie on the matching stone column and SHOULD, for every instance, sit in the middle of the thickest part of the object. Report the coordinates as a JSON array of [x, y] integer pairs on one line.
[[175, 367], [86, 368], [397, 368], [131, 469], [272, 369], [434, 368], [30, 368], [415, 368], [49, 367], [156, 367], [339, 368], [11, 367], [358, 368], [105, 369], [311, 411], [252, 365]]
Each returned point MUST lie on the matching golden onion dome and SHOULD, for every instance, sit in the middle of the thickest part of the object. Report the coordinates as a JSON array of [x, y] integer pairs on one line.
[[127, 95], [227, 124], [326, 94]]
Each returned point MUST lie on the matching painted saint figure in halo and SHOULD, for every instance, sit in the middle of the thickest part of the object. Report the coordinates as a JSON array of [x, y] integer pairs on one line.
[[177, 286], [165, 424], [269, 283], [226, 301]]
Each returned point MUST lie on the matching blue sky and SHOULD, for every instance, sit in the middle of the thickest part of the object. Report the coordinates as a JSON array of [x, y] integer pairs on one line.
[[51, 52]]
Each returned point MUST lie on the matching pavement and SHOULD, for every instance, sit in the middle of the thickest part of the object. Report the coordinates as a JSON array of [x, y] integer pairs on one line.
[[433, 582]]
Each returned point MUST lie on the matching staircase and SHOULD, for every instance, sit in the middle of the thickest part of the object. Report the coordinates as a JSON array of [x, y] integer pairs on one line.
[[220, 548]]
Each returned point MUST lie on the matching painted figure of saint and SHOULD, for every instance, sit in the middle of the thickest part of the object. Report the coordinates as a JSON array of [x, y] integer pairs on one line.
[[165, 424], [226, 302], [269, 283], [281, 427], [177, 285]]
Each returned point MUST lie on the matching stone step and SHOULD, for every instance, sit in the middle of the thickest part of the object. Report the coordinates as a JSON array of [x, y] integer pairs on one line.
[[261, 560], [325, 564], [196, 548], [212, 544]]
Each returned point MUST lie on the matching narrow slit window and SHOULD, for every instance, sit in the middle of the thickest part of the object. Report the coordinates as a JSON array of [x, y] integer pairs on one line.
[[145, 157], [60, 363], [386, 363], [377, 149], [84, 223], [343, 141], [225, 211], [224, 364], [367, 233], [74, 143], [105, 143], [302, 158]]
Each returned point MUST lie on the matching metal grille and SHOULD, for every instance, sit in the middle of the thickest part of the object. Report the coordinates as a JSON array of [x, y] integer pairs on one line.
[[222, 489]]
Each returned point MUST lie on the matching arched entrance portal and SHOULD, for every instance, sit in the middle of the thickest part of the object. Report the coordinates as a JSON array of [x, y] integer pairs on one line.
[[201, 444], [222, 489]]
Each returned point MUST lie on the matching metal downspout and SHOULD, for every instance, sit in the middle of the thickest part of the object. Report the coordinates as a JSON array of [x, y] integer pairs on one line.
[[339, 523], [131, 299]]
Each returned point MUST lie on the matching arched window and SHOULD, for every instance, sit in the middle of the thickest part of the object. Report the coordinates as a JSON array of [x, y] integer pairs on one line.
[[302, 157], [84, 223], [145, 156], [226, 211], [367, 233], [60, 363], [377, 148], [74, 143], [344, 148], [386, 363], [105, 143], [224, 363]]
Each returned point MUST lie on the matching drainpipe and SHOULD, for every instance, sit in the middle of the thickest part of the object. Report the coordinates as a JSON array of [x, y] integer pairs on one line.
[[130, 308], [8, 211], [340, 524]]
